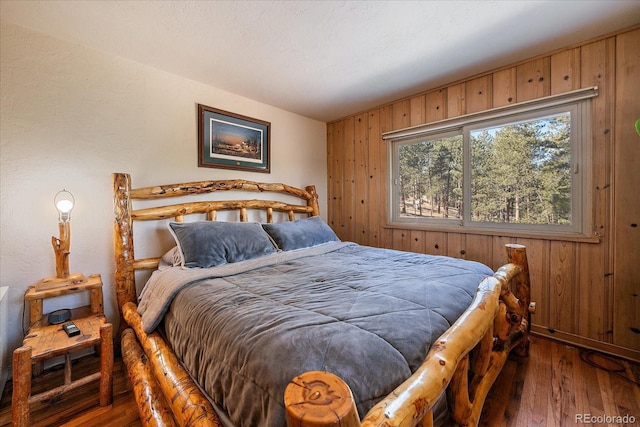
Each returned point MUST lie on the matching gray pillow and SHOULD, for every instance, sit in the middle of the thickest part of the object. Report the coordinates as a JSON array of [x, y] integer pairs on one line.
[[209, 243], [302, 233]]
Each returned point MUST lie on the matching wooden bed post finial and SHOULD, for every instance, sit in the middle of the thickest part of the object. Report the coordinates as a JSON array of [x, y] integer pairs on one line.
[[313, 201], [320, 399]]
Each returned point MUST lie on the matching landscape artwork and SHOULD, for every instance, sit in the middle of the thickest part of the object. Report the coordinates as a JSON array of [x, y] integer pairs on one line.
[[229, 140]]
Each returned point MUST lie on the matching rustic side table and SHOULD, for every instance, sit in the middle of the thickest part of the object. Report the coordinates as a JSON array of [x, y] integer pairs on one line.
[[45, 341]]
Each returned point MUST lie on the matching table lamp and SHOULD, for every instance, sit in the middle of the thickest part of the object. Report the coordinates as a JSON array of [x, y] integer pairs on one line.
[[64, 202]]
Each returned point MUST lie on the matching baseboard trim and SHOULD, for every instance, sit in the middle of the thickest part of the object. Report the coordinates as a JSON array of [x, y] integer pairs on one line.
[[587, 343]]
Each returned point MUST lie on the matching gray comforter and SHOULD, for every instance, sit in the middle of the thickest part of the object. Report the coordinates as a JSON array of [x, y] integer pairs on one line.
[[367, 315]]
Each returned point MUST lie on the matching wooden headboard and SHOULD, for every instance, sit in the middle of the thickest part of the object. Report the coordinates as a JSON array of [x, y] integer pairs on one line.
[[125, 215]]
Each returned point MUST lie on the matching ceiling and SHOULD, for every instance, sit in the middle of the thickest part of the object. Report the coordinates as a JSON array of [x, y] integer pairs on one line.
[[324, 59]]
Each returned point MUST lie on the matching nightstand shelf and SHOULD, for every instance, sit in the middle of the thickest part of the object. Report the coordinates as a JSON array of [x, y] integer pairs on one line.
[[42, 290], [45, 341]]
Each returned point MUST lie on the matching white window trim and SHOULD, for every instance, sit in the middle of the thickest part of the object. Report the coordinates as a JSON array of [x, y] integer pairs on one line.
[[462, 125]]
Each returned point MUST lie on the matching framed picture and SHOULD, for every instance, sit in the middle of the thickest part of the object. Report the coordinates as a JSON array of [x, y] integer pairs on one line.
[[231, 141]]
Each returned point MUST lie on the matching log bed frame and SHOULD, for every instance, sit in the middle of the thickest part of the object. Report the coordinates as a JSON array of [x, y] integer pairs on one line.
[[463, 363]]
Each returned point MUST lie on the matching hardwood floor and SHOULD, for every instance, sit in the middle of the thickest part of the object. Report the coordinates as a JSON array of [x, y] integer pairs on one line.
[[79, 407], [557, 385]]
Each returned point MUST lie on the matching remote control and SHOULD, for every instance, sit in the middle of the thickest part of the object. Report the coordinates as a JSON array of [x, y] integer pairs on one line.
[[71, 329]]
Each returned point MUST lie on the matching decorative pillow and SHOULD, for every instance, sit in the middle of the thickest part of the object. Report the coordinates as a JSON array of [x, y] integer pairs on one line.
[[209, 243], [172, 258], [302, 233]]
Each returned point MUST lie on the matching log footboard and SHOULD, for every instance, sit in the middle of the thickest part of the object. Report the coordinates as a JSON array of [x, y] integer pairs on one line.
[[465, 361]]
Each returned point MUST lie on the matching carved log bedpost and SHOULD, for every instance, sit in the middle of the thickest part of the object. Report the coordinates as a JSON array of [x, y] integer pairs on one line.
[[123, 245], [517, 255], [320, 399]]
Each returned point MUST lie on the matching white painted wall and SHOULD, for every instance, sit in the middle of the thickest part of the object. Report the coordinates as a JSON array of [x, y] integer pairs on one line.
[[70, 116]]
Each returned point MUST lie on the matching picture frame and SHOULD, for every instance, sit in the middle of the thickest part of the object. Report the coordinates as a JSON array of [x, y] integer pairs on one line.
[[232, 141]]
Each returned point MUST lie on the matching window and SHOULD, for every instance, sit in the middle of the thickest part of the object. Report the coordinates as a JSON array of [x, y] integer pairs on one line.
[[429, 183], [516, 169]]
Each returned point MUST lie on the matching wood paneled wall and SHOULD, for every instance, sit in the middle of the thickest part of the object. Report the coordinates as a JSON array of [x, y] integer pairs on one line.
[[587, 293]]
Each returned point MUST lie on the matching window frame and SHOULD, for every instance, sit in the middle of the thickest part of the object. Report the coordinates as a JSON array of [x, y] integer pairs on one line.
[[576, 102]]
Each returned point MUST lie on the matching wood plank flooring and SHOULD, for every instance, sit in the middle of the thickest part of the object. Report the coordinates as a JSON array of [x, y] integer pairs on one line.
[[554, 386], [558, 385], [78, 407]]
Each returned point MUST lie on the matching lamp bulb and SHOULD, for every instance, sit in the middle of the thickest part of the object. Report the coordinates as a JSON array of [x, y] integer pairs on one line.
[[64, 202], [64, 206]]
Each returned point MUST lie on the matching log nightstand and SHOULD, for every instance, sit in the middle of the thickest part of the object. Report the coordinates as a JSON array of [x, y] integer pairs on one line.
[[45, 341]]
